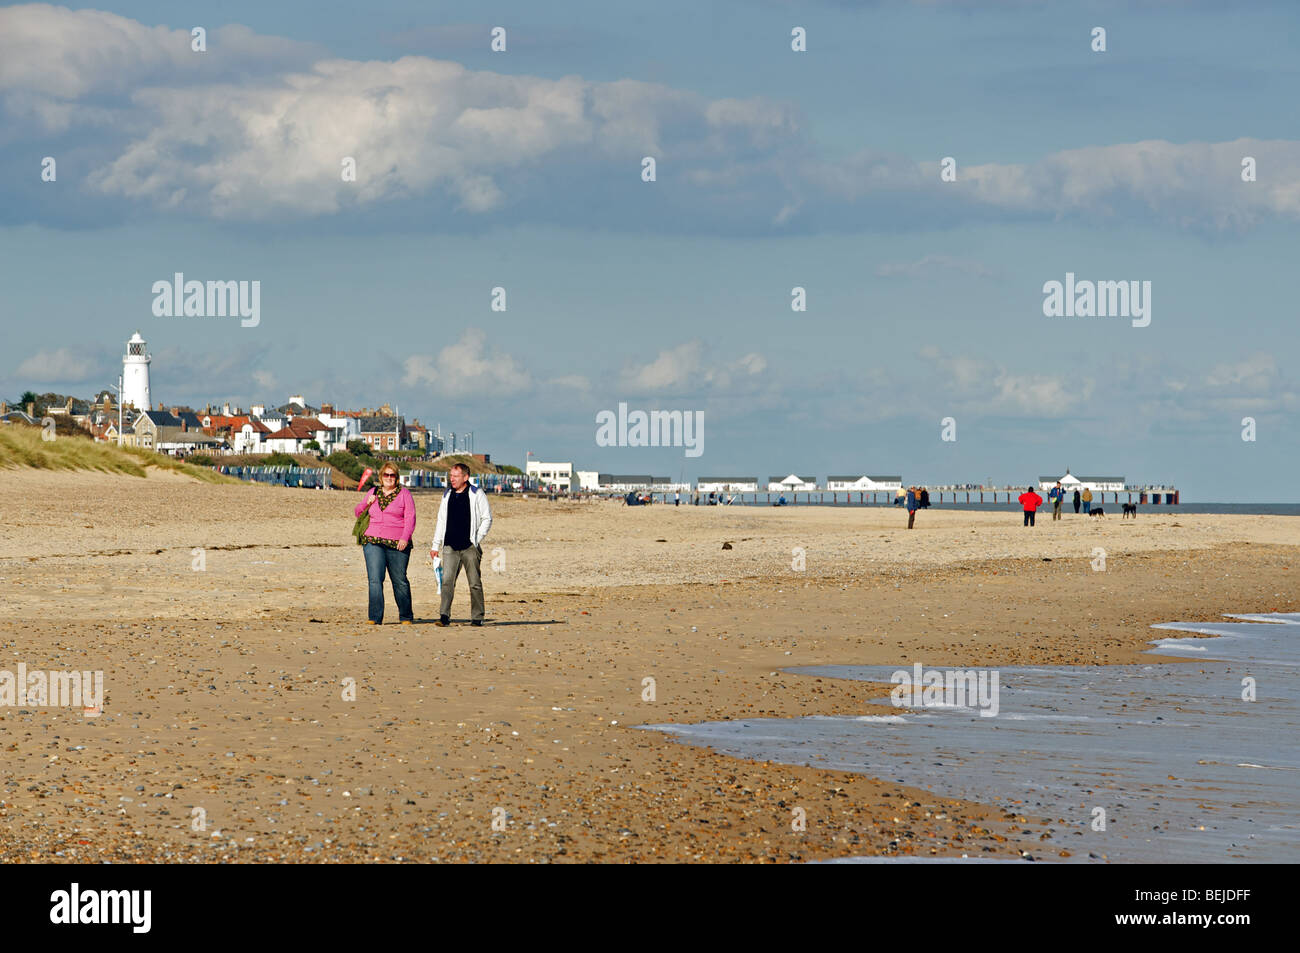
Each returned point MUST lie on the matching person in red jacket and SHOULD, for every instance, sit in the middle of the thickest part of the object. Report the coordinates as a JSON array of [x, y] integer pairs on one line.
[[1031, 501]]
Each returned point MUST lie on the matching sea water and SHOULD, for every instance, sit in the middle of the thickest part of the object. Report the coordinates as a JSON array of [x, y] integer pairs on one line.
[[1157, 762]]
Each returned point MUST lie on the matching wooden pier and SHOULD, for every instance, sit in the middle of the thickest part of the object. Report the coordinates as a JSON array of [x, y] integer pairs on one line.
[[1143, 496]]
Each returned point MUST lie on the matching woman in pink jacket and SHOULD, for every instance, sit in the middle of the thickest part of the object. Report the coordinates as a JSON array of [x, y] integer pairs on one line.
[[387, 543]]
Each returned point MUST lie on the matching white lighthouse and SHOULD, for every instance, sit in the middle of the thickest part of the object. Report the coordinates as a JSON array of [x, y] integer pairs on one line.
[[135, 374]]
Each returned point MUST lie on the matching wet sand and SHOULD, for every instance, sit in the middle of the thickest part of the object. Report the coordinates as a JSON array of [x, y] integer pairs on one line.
[[227, 618]]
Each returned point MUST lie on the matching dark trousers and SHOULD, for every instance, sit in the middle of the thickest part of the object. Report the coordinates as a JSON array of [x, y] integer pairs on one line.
[[911, 518], [381, 558], [1076, 506], [1029, 517]]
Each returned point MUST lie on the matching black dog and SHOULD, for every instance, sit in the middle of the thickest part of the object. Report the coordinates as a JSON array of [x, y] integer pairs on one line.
[[1130, 509], [1097, 511]]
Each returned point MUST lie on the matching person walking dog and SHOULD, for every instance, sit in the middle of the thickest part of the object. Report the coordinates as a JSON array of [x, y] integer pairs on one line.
[[387, 543], [464, 518]]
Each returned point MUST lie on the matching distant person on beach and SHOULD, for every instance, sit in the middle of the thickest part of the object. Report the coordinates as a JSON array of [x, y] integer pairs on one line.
[[677, 499], [1076, 501], [464, 518], [912, 502], [387, 543], [1087, 499], [925, 498], [900, 497], [1031, 501], [1057, 495]]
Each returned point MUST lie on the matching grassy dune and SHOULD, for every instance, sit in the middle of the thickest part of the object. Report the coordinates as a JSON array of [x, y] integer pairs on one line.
[[22, 446]]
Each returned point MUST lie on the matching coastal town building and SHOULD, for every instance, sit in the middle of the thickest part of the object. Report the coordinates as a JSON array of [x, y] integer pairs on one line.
[[557, 475], [132, 418], [1103, 484], [386, 432], [294, 436], [727, 484], [626, 483], [792, 482], [864, 482]]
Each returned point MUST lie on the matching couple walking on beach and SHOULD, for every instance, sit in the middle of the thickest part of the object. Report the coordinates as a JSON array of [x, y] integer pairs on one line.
[[464, 519]]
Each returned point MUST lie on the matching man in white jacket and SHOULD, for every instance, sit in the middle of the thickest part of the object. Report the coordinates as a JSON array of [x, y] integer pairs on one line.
[[464, 518]]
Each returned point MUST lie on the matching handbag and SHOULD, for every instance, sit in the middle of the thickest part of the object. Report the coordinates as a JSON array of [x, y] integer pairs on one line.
[[361, 525]]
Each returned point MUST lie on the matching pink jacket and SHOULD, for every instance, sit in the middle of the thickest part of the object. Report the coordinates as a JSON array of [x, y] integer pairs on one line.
[[396, 521]]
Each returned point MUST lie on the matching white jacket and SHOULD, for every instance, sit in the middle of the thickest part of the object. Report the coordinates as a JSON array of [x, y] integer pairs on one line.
[[480, 517]]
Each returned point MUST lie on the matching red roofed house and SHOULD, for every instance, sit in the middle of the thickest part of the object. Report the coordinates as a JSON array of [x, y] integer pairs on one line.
[[292, 438], [245, 434]]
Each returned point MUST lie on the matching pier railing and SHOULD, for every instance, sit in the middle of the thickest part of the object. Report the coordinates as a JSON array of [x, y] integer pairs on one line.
[[938, 496]]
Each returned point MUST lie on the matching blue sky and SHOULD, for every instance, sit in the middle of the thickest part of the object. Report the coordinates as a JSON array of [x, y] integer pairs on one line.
[[776, 169]]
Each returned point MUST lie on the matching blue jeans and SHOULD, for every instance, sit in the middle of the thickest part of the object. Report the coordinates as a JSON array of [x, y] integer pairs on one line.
[[379, 558], [1087, 506]]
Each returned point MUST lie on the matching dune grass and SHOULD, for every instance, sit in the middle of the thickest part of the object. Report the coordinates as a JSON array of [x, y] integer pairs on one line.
[[22, 446]]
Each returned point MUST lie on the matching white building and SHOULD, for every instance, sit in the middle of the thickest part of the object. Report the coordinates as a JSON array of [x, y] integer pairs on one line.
[[135, 374], [250, 438], [1070, 482], [628, 483], [558, 475], [342, 429], [868, 483], [727, 484], [294, 436], [588, 480], [791, 482]]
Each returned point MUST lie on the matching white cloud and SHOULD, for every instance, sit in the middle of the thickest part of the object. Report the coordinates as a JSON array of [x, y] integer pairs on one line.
[[467, 369], [61, 365], [571, 382], [684, 368], [1195, 183], [1044, 395], [67, 54], [1254, 374], [672, 368], [988, 387], [933, 264], [258, 127]]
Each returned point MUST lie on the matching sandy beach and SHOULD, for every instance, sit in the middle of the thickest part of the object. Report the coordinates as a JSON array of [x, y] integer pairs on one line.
[[227, 619]]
